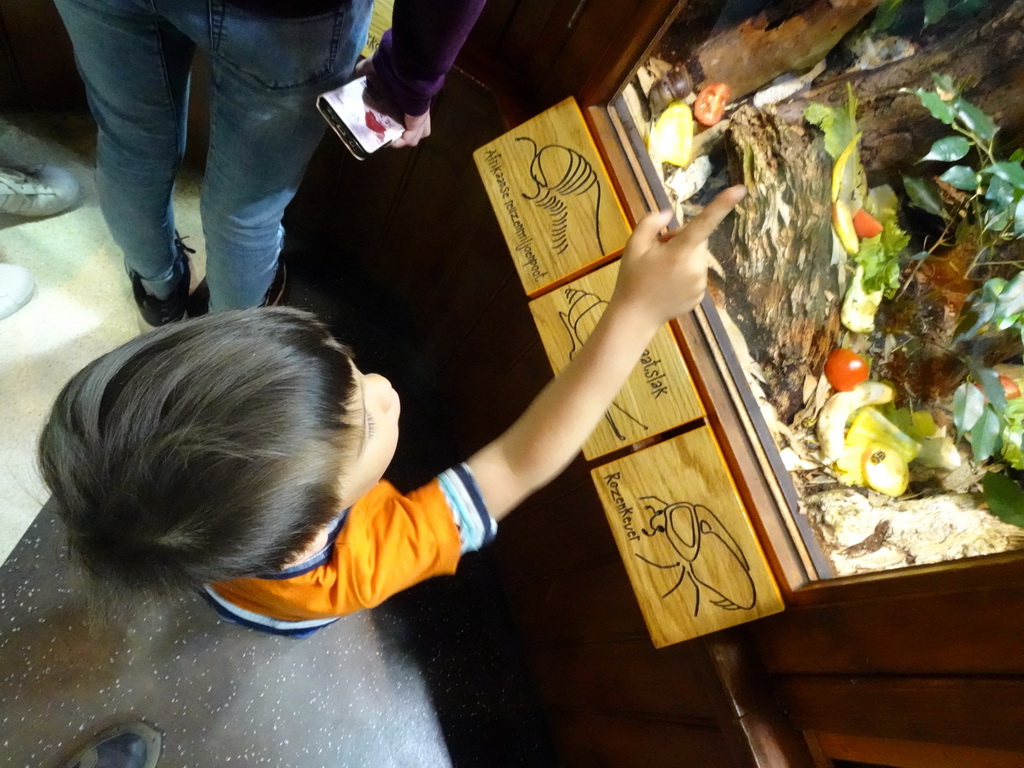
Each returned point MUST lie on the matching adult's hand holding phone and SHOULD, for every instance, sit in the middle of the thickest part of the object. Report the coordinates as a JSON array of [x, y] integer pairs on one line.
[[417, 127]]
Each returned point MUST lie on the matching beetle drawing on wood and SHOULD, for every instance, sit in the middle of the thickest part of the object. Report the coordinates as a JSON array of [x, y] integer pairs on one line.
[[561, 173], [581, 316], [708, 554]]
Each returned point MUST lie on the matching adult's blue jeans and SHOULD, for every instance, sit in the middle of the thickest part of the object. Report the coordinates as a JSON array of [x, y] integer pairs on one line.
[[135, 57]]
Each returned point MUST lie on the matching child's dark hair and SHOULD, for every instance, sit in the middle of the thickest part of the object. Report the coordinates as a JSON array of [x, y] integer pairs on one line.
[[202, 451]]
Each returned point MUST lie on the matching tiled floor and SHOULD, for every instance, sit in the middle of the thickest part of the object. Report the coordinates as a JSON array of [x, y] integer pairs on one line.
[[82, 306], [431, 678]]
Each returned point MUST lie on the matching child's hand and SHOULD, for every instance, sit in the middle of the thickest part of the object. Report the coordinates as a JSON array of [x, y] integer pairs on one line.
[[665, 276]]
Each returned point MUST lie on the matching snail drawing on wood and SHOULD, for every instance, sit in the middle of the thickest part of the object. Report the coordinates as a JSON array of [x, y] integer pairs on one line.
[[708, 554], [561, 173], [583, 311]]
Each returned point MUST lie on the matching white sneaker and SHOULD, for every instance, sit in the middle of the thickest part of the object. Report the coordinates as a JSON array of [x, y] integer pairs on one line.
[[42, 190], [16, 288]]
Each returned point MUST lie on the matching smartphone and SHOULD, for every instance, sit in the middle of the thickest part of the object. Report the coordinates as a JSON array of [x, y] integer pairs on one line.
[[361, 116]]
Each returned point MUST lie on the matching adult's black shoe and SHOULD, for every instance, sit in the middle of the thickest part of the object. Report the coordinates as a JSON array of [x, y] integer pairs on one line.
[[130, 745]]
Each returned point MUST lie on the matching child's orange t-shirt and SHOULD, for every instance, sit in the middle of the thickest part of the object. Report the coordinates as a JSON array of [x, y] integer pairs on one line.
[[382, 544]]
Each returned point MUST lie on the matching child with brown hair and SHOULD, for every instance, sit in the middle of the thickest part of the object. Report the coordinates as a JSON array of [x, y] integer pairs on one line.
[[242, 454]]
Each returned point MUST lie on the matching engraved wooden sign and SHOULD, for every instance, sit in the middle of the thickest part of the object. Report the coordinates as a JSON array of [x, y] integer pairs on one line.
[[553, 197], [693, 560], [659, 393], [380, 22]]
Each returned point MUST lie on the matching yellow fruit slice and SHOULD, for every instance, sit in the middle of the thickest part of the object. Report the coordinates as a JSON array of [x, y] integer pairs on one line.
[[845, 173], [842, 220], [870, 427], [885, 470], [671, 139], [850, 466]]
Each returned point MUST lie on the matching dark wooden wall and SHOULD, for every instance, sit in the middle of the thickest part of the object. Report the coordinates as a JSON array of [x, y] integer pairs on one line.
[[421, 220], [37, 68]]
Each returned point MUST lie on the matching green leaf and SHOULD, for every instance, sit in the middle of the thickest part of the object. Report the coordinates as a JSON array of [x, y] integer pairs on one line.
[[989, 380], [968, 403], [879, 256], [1000, 193], [839, 124], [971, 321], [1004, 497], [934, 11], [924, 195], [941, 110], [975, 120], [886, 15], [1017, 156], [1011, 299], [985, 435], [1011, 173], [1018, 219], [962, 177], [993, 288], [967, 8], [948, 149], [944, 82], [996, 221]]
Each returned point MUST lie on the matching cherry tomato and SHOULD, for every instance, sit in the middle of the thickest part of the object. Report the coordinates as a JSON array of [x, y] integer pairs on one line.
[[866, 225], [711, 103], [845, 369], [1010, 388]]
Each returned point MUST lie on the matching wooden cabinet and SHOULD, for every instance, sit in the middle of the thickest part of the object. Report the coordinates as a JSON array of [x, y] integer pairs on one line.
[[897, 668]]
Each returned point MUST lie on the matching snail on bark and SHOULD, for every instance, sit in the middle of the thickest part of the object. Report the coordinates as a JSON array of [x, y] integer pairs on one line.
[[674, 85]]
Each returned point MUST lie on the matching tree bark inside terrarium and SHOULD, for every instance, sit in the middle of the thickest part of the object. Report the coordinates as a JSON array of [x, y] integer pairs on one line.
[[782, 290], [784, 296]]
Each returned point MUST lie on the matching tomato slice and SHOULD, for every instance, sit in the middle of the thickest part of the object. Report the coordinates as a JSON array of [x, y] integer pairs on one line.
[[711, 103], [866, 225], [845, 369]]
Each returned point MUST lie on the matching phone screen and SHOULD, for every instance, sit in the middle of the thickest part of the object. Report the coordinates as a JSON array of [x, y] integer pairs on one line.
[[360, 117]]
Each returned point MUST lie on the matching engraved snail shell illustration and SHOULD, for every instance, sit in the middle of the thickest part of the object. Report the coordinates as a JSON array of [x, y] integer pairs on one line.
[[584, 310], [559, 173]]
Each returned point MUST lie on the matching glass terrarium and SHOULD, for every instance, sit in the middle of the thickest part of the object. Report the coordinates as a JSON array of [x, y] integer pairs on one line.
[[871, 288]]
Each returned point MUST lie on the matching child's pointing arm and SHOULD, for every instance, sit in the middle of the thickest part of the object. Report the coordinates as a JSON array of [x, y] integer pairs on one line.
[[659, 278]]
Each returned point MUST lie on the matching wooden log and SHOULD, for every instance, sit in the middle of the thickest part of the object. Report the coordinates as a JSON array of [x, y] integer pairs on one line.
[[987, 52], [780, 287], [760, 49]]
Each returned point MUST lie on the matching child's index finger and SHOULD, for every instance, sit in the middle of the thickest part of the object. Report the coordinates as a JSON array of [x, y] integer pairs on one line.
[[649, 226], [701, 226]]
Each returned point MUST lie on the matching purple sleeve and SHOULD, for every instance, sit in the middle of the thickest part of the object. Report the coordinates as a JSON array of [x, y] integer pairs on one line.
[[416, 53]]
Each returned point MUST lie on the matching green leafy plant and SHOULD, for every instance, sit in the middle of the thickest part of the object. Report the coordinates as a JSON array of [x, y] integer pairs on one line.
[[839, 124], [983, 214], [880, 255], [992, 208], [896, 13]]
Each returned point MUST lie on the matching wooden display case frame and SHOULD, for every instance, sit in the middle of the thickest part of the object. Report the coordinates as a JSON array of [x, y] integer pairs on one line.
[[802, 572]]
